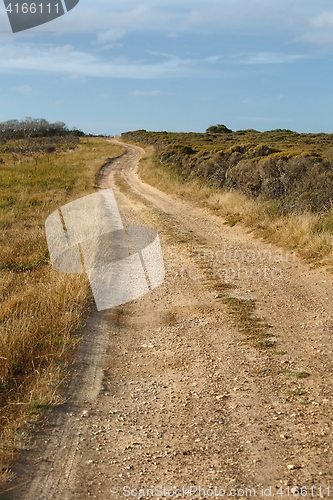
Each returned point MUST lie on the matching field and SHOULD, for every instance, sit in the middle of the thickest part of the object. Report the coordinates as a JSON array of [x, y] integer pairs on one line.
[[278, 183], [41, 311]]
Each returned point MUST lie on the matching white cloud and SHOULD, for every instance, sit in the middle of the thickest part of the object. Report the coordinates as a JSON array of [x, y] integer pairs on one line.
[[76, 78], [272, 58], [24, 89], [324, 20], [113, 21], [66, 60], [319, 30], [111, 35], [320, 38], [110, 46], [148, 93]]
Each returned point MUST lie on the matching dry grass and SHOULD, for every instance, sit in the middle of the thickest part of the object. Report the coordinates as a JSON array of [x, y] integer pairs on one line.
[[309, 234], [41, 310]]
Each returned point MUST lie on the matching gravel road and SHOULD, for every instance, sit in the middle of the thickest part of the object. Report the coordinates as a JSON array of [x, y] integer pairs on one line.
[[172, 393]]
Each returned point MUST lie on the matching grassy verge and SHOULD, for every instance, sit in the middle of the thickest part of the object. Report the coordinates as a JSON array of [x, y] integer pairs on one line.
[[309, 234], [41, 310]]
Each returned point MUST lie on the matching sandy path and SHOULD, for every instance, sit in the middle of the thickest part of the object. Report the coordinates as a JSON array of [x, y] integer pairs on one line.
[[168, 392]]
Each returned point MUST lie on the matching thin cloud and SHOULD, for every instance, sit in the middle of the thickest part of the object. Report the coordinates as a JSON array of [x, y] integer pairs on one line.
[[75, 78], [272, 58], [66, 60], [60, 102], [319, 30], [110, 46], [111, 35], [324, 20], [147, 93], [138, 19], [320, 38], [24, 89]]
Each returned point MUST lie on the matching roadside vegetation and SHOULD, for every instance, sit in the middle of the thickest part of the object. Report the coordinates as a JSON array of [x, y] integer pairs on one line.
[[42, 312], [279, 183]]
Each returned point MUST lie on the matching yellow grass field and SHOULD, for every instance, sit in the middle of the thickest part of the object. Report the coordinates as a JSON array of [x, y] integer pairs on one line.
[[41, 311]]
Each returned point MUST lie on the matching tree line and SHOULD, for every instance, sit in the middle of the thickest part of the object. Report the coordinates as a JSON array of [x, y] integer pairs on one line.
[[35, 127]]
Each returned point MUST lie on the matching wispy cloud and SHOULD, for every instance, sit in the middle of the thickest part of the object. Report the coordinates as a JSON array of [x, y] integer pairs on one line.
[[109, 46], [319, 30], [66, 60], [271, 58], [324, 20], [24, 89], [76, 78], [322, 38], [59, 102], [111, 35], [147, 93]]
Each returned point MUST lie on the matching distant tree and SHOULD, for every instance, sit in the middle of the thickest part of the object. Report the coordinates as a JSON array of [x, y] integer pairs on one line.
[[77, 132], [218, 129]]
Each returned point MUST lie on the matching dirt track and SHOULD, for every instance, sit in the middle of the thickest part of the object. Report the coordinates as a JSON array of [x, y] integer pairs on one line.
[[169, 392]]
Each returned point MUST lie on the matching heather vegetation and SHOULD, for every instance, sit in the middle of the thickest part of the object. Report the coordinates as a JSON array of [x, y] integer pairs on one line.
[[295, 169], [280, 182]]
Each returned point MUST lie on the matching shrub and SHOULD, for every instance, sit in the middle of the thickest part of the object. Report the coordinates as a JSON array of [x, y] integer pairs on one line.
[[218, 129], [49, 148]]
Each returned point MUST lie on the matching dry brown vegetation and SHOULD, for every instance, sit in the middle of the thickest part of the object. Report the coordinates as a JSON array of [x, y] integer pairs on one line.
[[279, 183], [41, 311]]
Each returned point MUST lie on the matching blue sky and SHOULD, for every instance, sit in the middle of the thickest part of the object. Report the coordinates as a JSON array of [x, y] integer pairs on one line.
[[109, 67]]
